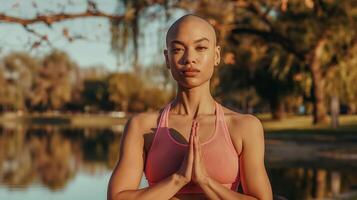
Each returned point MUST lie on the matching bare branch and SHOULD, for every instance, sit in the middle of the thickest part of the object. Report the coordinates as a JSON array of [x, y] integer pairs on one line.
[[42, 38], [50, 19]]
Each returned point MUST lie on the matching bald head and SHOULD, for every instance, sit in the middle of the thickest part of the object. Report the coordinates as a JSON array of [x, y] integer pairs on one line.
[[191, 44], [189, 23]]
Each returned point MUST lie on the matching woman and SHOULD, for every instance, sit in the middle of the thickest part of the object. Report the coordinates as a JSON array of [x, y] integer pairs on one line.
[[194, 148]]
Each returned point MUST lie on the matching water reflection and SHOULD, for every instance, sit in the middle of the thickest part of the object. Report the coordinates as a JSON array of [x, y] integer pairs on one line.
[[64, 163], [308, 183], [52, 156]]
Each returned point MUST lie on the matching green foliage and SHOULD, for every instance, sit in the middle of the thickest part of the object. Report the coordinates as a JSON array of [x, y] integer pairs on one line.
[[341, 81], [314, 35]]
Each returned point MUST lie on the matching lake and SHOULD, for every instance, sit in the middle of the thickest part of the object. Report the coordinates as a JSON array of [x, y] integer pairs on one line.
[[57, 163]]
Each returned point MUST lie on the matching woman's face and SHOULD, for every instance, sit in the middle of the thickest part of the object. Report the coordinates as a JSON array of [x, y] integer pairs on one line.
[[191, 52]]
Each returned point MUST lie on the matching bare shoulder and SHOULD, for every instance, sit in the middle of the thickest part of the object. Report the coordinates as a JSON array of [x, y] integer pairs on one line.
[[245, 125], [144, 121]]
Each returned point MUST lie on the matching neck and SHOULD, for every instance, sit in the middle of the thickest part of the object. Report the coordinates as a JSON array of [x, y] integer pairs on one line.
[[194, 102]]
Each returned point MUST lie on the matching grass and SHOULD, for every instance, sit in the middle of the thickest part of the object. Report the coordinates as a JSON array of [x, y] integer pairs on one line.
[[290, 125], [346, 122], [301, 127]]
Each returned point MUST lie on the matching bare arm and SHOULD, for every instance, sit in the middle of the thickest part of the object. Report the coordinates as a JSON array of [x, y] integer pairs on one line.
[[253, 175], [126, 176], [254, 178]]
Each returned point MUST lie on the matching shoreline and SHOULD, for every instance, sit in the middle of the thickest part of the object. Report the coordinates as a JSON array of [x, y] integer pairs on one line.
[[105, 120], [289, 126]]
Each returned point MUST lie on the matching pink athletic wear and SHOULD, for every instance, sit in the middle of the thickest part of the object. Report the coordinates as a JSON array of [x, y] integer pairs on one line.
[[219, 155]]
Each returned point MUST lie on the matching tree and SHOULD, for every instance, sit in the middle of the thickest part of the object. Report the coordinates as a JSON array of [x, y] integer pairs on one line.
[[124, 23], [129, 93], [307, 30], [316, 33], [52, 17], [124, 88], [96, 94], [4, 97], [266, 69], [54, 82], [341, 81], [17, 76]]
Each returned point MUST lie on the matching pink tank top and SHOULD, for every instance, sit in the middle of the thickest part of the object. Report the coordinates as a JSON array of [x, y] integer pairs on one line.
[[219, 155]]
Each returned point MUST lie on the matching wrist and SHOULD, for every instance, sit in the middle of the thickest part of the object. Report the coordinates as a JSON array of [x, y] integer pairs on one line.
[[179, 180], [205, 181]]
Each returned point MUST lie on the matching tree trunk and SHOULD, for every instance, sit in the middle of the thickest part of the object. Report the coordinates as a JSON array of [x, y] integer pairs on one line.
[[352, 109], [318, 92], [125, 106], [135, 29], [321, 177], [277, 109], [335, 111], [335, 183]]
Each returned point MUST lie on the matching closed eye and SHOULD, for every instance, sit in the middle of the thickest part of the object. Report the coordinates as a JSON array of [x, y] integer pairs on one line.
[[176, 50], [201, 48]]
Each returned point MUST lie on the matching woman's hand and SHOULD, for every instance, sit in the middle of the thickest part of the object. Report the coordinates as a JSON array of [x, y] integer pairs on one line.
[[199, 174], [185, 171], [192, 167]]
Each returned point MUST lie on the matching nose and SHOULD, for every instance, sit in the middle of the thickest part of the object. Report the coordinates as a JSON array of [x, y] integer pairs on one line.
[[189, 57]]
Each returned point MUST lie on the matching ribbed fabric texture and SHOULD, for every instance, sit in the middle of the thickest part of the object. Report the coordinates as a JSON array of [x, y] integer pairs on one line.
[[219, 155]]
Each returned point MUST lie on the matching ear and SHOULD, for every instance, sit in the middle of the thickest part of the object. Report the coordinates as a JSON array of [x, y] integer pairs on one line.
[[167, 59], [217, 56]]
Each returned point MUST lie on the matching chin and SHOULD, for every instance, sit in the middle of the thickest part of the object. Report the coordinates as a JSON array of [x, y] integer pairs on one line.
[[187, 84]]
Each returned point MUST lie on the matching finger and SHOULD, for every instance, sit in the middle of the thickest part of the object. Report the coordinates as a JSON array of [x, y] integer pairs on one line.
[[199, 146], [196, 130], [190, 153], [193, 129], [198, 137], [190, 141], [196, 148], [195, 156], [195, 143]]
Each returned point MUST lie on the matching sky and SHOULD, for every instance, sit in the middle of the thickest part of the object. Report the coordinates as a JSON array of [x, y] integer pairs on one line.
[[94, 49]]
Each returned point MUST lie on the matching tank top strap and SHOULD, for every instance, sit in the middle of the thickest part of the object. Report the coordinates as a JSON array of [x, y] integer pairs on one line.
[[219, 112], [223, 126], [165, 115], [161, 125]]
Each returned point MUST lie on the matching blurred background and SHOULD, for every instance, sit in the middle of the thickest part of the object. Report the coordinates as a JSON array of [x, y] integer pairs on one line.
[[73, 71]]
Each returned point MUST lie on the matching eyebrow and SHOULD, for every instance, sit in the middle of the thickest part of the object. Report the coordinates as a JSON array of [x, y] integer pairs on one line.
[[196, 41]]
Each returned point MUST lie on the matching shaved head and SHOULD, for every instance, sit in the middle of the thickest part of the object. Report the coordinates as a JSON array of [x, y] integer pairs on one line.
[[191, 45], [188, 22]]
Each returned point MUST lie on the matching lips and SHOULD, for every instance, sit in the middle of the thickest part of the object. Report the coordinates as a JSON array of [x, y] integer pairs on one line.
[[190, 72]]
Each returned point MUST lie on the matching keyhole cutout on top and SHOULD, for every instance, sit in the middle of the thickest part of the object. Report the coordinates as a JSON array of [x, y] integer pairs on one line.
[[181, 139]]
